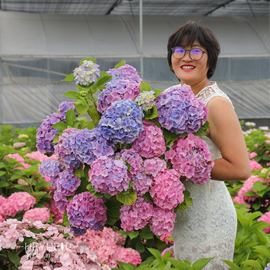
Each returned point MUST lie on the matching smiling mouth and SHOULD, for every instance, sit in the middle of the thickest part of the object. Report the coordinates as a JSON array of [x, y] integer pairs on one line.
[[187, 67]]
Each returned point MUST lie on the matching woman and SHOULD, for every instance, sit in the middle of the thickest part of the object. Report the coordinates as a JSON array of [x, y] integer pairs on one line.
[[208, 228]]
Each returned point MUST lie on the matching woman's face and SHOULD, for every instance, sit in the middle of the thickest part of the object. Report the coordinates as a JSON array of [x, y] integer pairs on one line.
[[188, 71]]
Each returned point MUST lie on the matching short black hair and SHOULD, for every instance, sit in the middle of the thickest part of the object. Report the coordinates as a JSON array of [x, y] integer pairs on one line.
[[185, 36]]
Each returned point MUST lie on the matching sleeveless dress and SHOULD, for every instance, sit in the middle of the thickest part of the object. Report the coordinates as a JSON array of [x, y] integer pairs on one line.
[[208, 227]]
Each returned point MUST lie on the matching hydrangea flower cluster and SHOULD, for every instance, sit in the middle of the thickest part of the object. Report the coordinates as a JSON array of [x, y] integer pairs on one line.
[[121, 122], [146, 100], [142, 183], [67, 183], [50, 168], [64, 107], [109, 175], [61, 201], [162, 221], [266, 218], [191, 158], [133, 159], [180, 111], [153, 166], [86, 73], [136, 216], [150, 142], [37, 214], [116, 90], [167, 191], [87, 212], [125, 72]]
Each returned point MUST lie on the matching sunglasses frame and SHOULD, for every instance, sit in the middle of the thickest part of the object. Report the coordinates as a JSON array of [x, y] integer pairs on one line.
[[203, 52]]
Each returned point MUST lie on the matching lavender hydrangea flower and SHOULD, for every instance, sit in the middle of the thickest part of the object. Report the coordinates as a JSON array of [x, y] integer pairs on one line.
[[46, 134], [125, 72], [50, 168], [61, 201], [109, 176], [78, 231], [68, 183], [87, 212], [86, 73], [146, 100], [136, 216], [87, 145], [267, 267], [180, 111], [117, 89], [64, 107], [121, 122], [142, 183]]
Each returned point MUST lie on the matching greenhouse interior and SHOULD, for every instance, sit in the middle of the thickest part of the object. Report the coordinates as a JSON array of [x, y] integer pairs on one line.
[[40, 43]]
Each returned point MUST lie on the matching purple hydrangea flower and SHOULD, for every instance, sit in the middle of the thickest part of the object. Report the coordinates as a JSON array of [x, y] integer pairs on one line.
[[87, 212], [78, 231], [142, 183], [116, 90], [162, 222], [86, 73], [121, 122], [63, 150], [61, 201], [88, 145], [136, 216], [125, 72], [267, 267], [108, 175], [68, 183], [180, 111], [64, 107], [50, 168], [46, 134]]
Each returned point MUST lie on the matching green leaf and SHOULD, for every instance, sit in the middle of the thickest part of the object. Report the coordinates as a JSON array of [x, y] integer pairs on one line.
[[201, 263], [146, 235], [65, 219], [93, 113], [4, 184], [22, 187], [93, 191], [88, 59], [145, 87], [14, 258], [158, 92], [170, 137], [180, 265], [2, 173], [60, 126], [70, 117], [56, 138], [83, 89], [100, 82], [203, 130], [253, 263], [113, 208], [81, 106], [155, 253], [152, 114], [263, 250], [103, 73], [69, 78], [148, 197], [250, 193], [127, 266], [72, 94], [232, 265], [139, 247], [89, 125], [133, 234], [120, 64], [129, 197]]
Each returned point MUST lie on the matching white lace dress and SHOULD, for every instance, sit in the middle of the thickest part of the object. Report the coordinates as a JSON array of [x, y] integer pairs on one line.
[[208, 227]]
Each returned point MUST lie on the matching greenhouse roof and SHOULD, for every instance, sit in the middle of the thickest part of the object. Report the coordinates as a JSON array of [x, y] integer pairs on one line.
[[150, 7]]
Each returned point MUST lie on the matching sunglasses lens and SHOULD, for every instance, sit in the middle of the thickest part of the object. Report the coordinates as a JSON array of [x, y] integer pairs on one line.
[[196, 54], [178, 52]]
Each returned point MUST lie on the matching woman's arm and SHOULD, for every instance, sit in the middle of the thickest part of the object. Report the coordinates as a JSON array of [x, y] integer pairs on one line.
[[225, 131]]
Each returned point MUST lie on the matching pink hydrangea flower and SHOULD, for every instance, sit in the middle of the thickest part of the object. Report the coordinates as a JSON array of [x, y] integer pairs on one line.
[[35, 214], [240, 200], [153, 166], [38, 156], [247, 186], [265, 217], [150, 142], [254, 165], [20, 159], [167, 191], [166, 238], [3, 200], [252, 155], [133, 159], [128, 255], [166, 250], [136, 216], [191, 158], [162, 222]]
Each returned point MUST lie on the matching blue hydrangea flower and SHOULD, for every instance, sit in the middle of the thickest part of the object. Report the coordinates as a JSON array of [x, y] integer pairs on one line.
[[50, 168], [146, 100], [125, 72], [64, 107], [86, 73], [87, 212], [180, 111], [121, 122], [68, 183]]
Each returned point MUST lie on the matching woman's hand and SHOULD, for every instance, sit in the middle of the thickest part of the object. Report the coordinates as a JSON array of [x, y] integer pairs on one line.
[[225, 131]]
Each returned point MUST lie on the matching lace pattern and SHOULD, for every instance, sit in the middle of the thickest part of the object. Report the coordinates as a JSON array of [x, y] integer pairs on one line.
[[208, 227]]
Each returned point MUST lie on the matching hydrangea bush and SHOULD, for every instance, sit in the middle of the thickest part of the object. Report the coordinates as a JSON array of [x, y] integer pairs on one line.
[[120, 168]]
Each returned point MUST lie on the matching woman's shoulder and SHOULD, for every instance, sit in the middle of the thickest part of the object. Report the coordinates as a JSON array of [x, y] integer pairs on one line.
[[211, 91]]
